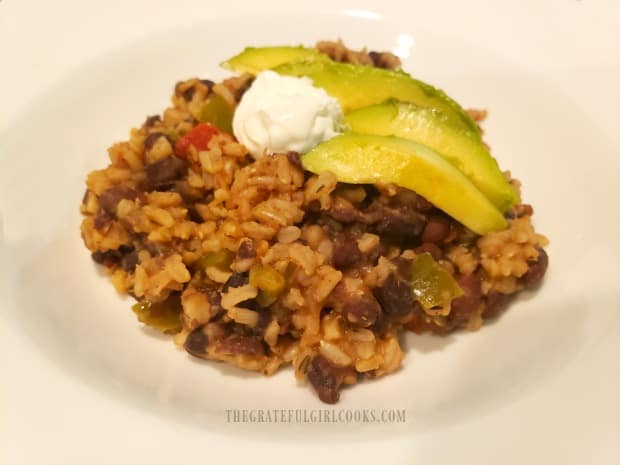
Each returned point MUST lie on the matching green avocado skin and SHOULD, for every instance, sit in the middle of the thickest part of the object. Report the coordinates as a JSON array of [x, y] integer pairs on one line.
[[357, 86], [433, 128], [368, 159]]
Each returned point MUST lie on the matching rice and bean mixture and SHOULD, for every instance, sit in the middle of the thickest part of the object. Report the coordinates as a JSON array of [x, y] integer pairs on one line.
[[259, 264]]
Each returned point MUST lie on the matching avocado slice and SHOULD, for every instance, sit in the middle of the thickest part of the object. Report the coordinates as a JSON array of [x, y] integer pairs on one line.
[[367, 159], [431, 127], [256, 59], [357, 86]]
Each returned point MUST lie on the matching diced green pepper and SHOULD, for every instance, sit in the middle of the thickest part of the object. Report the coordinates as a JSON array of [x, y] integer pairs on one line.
[[163, 316], [267, 279], [222, 259], [218, 112], [265, 299], [432, 285]]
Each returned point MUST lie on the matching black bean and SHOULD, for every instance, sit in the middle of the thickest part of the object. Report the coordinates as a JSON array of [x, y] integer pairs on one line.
[[536, 270], [109, 199], [431, 248], [215, 299], [129, 261], [382, 325], [294, 159], [250, 304], [395, 296], [342, 210], [193, 215], [397, 216], [100, 256], [346, 253], [361, 311], [496, 302], [422, 204], [325, 378], [242, 90], [404, 267], [102, 220], [400, 222], [151, 120], [153, 248], [264, 318], [236, 344], [197, 342], [164, 172], [519, 211], [209, 83], [524, 210], [151, 139], [236, 280], [111, 257], [463, 306], [246, 249], [436, 230], [188, 94], [376, 58], [406, 198], [384, 60]]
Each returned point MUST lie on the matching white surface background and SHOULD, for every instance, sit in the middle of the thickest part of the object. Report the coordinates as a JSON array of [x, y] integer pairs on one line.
[[574, 45]]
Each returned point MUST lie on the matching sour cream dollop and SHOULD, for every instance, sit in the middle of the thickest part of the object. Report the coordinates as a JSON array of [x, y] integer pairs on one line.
[[283, 113]]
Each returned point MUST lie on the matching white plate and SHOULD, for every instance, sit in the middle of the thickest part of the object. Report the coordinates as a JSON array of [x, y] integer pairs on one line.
[[532, 386]]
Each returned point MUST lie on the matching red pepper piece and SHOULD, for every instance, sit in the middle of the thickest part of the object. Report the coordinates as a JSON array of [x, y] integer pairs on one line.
[[199, 137]]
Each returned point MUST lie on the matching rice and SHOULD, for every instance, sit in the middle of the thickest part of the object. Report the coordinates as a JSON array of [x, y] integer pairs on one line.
[[262, 264]]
